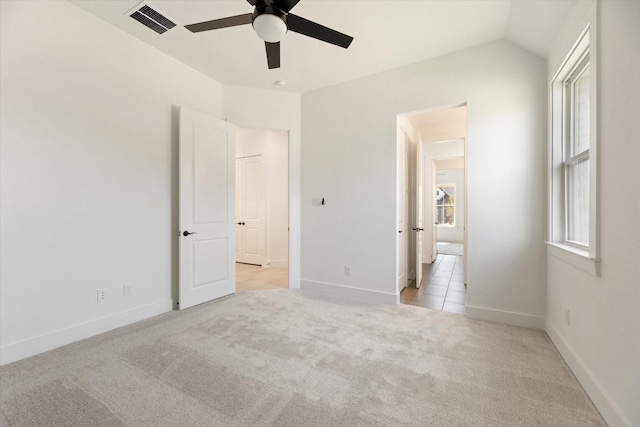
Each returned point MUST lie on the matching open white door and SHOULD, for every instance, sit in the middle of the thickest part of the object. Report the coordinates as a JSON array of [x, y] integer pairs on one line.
[[430, 233], [250, 210], [402, 213], [434, 215], [206, 211], [419, 211]]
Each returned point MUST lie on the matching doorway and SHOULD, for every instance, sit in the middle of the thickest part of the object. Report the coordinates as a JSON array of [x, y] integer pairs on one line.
[[262, 208], [437, 207]]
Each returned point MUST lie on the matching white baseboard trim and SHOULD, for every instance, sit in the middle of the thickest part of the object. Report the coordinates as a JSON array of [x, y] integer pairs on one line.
[[508, 317], [599, 397], [32, 346], [350, 293], [277, 263]]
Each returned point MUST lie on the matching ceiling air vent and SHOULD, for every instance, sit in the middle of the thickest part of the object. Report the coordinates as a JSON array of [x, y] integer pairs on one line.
[[151, 18]]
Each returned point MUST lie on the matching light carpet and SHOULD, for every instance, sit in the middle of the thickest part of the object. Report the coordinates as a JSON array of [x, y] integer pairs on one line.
[[290, 358]]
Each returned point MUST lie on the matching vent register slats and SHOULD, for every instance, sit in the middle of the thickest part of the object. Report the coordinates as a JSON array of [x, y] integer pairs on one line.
[[152, 19]]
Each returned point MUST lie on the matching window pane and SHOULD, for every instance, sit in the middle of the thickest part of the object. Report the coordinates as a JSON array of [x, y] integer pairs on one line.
[[449, 215], [581, 113], [445, 204], [578, 202], [449, 195]]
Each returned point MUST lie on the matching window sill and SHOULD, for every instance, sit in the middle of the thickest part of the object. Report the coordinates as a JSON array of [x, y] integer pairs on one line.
[[574, 256]]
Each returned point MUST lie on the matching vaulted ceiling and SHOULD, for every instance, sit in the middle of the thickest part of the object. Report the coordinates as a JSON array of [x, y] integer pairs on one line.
[[387, 34]]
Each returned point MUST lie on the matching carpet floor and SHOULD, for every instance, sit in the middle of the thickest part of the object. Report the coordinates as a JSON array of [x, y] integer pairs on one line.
[[291, 358]]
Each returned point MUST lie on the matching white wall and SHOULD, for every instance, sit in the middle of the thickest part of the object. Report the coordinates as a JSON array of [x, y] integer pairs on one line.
[[602, 343], [268, 109], [446, 175], [273, 146], [443, 125], [457, 163], [349, 157], [89, 174]]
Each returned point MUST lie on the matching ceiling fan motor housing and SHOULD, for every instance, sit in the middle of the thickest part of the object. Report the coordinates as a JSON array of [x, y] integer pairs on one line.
[[270, 23]]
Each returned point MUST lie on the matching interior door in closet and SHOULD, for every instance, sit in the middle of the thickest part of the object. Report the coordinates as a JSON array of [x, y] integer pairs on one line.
[[250, 210]]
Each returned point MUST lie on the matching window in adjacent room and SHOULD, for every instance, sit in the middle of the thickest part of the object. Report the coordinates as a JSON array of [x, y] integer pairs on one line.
[[445, 204], [573, 196]]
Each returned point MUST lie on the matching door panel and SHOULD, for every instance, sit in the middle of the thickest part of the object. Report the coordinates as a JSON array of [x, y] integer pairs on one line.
[[210, 171], [402, 212], [434, 215], [419, 211], [251, 210], [238, 210], [206, 208], [211, 256]]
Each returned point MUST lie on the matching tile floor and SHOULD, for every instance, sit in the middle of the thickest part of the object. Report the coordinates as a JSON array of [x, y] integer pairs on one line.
[[253, 277], [442, 286]]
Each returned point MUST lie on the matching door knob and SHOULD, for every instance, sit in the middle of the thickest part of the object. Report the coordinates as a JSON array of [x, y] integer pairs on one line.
[[187, 233], [417, 229]]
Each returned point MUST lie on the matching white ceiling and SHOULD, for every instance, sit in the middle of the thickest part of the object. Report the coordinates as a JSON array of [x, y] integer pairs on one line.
[[387, 34]]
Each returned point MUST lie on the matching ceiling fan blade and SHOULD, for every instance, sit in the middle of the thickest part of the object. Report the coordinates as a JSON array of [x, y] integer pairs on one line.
[[317, 31], [285, 5], [273, 54], [230, 21], [251, 2]]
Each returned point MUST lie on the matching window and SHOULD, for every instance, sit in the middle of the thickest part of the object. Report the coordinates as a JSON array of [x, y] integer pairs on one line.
[[572, 191], [445, 204], [576, 152]]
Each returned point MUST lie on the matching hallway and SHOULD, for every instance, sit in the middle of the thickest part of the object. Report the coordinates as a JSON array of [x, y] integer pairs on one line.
[[442, 286]]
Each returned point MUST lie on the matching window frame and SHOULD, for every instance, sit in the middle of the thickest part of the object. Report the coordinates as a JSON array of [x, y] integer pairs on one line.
[[570, 158], [581, 56]]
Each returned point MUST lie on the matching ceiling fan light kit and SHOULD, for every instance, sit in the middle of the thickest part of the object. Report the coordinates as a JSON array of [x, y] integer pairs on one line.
[[269, 23], [271, 20]]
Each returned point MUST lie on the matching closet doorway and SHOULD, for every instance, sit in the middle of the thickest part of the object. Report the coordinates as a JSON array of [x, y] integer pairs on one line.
[[262, 209]]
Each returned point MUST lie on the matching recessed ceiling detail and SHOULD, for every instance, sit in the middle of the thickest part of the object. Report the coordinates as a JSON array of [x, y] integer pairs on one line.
[[151, 18]]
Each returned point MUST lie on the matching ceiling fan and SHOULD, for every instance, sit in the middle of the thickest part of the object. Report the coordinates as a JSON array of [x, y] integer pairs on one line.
[[271, 20]]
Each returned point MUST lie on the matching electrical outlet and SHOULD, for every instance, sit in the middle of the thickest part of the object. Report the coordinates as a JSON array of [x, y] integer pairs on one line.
[[347, 270], [127, 289], [102, 295], [567, 316]]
